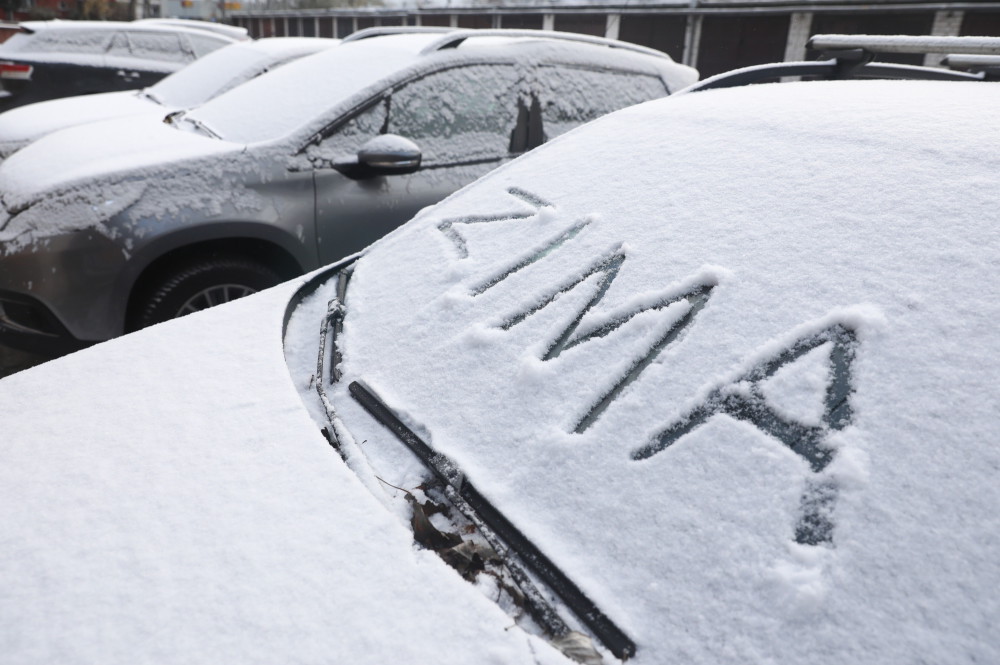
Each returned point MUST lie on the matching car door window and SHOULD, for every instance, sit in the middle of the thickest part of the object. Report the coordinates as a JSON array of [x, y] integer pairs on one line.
[[343, 143], [573, 95], [204, 44], [119, 46], [458, 115]]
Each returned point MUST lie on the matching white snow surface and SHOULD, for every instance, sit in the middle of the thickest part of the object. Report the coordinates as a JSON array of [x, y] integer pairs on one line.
[[24, 124], [165, 498], [803, 208]]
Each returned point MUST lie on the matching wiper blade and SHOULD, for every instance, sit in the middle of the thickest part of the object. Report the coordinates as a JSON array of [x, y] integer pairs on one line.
[[613, 638], [151, 96]]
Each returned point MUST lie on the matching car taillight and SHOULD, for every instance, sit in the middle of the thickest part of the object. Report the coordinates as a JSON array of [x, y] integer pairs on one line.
[[12, 70]]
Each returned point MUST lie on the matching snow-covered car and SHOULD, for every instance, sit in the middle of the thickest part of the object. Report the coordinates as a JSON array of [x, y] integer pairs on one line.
[[191, 86], [112, 226], [710, 380], [53, 59]]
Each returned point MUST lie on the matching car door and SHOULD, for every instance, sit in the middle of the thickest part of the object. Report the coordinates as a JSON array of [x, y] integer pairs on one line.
[[463, 119]]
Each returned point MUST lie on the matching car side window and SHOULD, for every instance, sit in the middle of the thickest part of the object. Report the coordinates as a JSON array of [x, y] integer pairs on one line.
[[572, 95], [119, 46], [343, 143], [204, 44], [157, 46], [458, 115]]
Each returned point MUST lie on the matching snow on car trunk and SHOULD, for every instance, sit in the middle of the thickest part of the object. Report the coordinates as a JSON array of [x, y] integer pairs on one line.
[[729, 359], [160, 504]]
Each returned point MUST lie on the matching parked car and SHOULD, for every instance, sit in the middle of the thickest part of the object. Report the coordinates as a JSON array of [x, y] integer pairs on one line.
[[53, 59], [191, 86], [717, 374], [110, 227]]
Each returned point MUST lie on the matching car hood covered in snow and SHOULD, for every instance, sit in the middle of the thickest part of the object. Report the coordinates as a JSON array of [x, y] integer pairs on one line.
[[157, 508], [21, 125], [114, 149], [728, 359]]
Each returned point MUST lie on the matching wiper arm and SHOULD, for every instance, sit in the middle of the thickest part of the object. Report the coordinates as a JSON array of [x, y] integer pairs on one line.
[[151, 96], [505, 539], [461, 491]]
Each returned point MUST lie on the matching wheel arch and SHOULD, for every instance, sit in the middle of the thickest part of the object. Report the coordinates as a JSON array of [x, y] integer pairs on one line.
[[262, 243]]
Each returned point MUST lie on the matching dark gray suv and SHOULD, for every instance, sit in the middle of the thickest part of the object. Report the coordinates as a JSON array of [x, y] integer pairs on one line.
[[114, 226]]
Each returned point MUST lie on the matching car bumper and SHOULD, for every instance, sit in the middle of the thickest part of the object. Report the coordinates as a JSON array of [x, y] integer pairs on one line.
[[60, 294]]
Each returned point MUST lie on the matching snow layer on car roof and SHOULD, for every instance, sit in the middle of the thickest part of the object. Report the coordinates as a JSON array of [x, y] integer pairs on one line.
[[744, 260]]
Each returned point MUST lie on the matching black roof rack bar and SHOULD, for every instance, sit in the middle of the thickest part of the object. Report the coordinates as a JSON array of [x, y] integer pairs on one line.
[[826, 69], [907, 44], [456, 37], [393, 30]]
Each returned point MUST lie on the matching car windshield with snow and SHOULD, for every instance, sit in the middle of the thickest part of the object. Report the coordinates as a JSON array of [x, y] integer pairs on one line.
[[675, 388], [113, 226], [193, 85]]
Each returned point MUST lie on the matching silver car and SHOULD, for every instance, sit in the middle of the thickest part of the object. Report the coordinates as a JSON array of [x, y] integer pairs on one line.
[[114, 226]]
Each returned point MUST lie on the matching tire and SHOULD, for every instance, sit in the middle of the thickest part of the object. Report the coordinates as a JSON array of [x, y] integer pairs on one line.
[[199, 285]]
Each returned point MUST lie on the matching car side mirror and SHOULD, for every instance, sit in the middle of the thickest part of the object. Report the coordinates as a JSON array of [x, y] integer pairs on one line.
[[387, 154]]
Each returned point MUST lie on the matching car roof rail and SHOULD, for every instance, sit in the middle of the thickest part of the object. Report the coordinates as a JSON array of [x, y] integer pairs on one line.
[[455, 37], [368, 33], [989, 65], [833, 69], [906, 44]]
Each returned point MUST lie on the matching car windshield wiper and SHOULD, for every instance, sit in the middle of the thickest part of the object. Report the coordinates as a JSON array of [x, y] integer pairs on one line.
[[462, 492], [177, 118], [510, 545], [151, 96]]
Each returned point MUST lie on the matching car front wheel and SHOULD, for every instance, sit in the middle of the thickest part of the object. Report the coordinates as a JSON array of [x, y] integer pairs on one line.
[[202, 284]]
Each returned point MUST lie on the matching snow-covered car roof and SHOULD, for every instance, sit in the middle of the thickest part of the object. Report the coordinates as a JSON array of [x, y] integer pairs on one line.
[[233, 31], [138, 26], [728, 360], [363, 65]]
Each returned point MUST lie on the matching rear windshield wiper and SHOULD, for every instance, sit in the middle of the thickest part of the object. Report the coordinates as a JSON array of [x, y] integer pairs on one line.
[[502, 536], [462, 492]]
